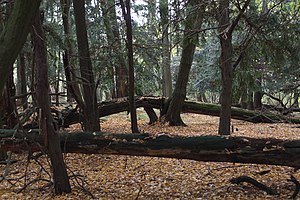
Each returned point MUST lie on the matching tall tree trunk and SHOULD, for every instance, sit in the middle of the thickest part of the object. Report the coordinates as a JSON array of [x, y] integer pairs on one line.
[[226, 68], [192, 24], [166, 57], [51, 137], [226, 65], [57, 83], [14, 35], [127, 18], [91, 122], [73, 91], [114, 41]]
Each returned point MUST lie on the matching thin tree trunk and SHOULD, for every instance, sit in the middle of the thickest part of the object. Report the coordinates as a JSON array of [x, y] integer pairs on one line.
[[192, 24], [57, 83], [91, 116], [114, 41], [50, 136], [296, 100], [22, 79], [226, 68], [166, 57], [127, 18], [73, 90], [226, 65]]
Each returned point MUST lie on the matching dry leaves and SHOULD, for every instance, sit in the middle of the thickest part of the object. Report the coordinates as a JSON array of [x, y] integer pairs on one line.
[[130, 177]]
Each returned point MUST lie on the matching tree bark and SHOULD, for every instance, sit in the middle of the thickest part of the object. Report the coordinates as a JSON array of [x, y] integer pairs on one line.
[[91, 122], [73, 91], [22, 89], [226, 68], [226, 65], [50, 136], [192, 24], [201, 148], [127, 17], [14, 35], [166, 57], [114, 41]]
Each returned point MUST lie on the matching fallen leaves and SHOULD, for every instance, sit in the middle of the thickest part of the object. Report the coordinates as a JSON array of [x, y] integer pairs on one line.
[[132, 177]]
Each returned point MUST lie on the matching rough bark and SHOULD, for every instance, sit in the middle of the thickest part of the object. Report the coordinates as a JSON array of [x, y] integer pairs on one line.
[[226, 64], [91, 122], [201, 148], [127, 17], [50, 137], [226, 68], [14, 35], [192, 24]]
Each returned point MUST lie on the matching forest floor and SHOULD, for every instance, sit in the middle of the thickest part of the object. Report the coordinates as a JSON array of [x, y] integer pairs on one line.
[[132, 177]]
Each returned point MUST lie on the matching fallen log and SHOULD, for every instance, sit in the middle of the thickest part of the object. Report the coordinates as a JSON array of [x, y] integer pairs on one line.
[[201, 148], [74, 116], [148, 103], [214, 110]]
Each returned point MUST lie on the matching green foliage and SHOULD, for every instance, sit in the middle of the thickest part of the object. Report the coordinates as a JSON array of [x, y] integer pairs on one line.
[[268, 42]]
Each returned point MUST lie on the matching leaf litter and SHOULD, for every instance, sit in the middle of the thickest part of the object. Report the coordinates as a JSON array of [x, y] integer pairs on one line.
[[137, 177]]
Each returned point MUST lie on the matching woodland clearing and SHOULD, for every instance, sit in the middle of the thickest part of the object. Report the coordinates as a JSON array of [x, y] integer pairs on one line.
[[132, 177]]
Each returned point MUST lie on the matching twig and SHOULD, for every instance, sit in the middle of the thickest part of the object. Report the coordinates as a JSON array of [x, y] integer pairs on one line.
[[254, 182], [8, 164], [138, 194], [80, 185], [32, 182], [297, 186]]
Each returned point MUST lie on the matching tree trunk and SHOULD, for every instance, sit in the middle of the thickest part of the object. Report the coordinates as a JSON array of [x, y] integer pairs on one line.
[[114, 41], [91, 122], [192, 24], [226, 65], [50, 136], [127, 18], [14, 35], [166, 57], [296, 100], [22, 89], [73, 91], [226, 68], [201, 148], [257, 99]]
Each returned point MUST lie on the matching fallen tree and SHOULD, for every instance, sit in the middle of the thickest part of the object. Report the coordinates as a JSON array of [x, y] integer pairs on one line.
[[148, 103], [202, 148], [72, 116]]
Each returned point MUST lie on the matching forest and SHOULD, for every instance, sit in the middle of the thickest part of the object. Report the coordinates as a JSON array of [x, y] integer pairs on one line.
[[149, 99]]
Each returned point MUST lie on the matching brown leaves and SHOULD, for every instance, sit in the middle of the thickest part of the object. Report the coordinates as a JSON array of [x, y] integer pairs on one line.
[[124, 177]]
